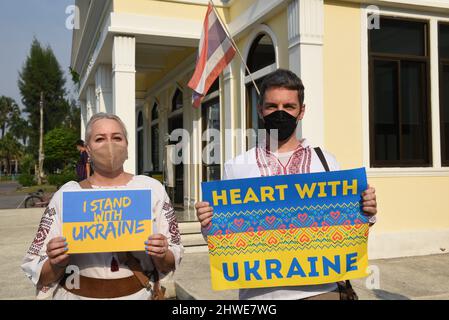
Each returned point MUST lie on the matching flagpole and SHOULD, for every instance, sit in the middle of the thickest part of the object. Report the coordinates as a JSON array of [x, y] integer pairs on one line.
[[235, 46]]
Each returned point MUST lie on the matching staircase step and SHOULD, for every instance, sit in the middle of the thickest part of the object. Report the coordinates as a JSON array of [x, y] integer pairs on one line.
[[189, 240], [189, 227], [196, 249]]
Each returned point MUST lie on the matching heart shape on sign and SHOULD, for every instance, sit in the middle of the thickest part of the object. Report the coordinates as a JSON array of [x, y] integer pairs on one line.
[[302, 217], [272, 240], [239, 222], [335, 214], [337, 236], [304, 238], [270, 219], [240, 243]]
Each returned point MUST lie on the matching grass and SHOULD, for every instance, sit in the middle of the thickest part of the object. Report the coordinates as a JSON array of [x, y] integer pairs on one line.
[[46, 187]]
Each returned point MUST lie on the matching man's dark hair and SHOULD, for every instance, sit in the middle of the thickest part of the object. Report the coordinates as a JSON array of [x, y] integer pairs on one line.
[[80, 143], [282, 78]]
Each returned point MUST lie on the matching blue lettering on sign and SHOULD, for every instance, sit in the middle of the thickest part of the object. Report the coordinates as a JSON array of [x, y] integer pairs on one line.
[[276, 269], [226, 272], [252, 271], [327, 264], [295, 269], [351, 259]]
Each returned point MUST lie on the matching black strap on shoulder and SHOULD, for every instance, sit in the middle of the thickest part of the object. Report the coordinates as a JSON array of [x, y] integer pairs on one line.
[[320, 155]]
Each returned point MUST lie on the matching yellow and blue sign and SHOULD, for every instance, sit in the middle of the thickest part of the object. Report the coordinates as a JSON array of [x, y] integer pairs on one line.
[[106, 220], [287, 230]]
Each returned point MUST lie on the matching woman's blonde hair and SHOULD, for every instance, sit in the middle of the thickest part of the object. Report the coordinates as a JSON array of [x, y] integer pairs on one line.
[[100, 116]]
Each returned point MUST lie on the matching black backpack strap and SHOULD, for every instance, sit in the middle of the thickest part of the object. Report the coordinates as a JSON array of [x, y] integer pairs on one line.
[[320, 155]]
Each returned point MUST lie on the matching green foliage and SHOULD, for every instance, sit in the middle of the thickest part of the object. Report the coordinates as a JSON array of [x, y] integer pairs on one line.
[[10, 149], [11, 119], [26, 180], [68, 174], [42, 73], [60, 149], [75, 76], [27, 164]]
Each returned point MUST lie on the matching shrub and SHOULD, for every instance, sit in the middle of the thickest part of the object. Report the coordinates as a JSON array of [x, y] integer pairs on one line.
[[68, 174], [26, 180]]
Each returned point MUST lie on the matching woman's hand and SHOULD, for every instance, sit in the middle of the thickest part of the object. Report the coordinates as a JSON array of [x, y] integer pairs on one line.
[[58, 259], [204, 213], [56, 252], [157, 246]]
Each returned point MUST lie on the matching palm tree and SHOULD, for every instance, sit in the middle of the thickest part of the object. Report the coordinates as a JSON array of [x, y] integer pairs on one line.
[[10, 149], [19, 127], [7, 106]]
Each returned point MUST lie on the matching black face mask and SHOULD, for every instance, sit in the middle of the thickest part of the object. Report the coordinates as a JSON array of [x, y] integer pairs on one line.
[[283, 121]]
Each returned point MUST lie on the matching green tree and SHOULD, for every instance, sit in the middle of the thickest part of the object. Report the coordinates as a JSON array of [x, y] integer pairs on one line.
[[19, 127], [42, 73], [60, 149], [10, 149], [7, 106], [73, 119]]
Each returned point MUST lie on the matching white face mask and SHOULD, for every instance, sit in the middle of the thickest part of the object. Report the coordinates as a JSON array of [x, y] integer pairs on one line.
[[109, 157]]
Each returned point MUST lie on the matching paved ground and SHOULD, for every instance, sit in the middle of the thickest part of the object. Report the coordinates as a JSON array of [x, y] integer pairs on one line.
[[413, 278], [17, 229], [7, 187], [8, 200], [425, 277]]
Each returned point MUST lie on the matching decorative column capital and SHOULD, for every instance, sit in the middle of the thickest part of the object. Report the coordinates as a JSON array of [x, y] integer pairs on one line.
[[305, 22], [124, 54]]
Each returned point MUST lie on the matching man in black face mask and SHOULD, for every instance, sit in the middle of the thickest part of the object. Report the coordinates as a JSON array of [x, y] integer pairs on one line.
[[281, 106]]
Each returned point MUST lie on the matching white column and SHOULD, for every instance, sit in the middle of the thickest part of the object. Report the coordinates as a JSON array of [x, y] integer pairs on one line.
[[187, 125], [227, 116], [124, 91], [103, 88], [83, 119], [305, 38], [91, 101]]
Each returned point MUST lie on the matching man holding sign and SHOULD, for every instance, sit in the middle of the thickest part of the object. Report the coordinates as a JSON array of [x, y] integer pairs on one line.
[[111, 242], [281, 107]]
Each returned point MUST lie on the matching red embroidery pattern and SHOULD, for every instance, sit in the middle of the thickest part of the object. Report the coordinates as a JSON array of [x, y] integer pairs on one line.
[[42, 232], [269, 164], [172, 223]]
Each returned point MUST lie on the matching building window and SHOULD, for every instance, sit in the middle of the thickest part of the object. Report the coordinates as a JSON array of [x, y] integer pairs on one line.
[[177, 100], [155, 137], [210, 111], [261, 61], [443, 42], [400, 133], [140, 143]]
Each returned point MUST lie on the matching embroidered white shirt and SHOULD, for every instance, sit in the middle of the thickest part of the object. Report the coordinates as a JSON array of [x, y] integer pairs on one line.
[[98, 265]]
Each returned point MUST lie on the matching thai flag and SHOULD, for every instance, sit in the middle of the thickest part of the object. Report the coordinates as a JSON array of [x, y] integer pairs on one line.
[[214, 54]]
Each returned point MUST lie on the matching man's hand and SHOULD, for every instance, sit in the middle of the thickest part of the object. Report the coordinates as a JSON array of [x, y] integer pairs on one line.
[[369, 202], [204, 213]]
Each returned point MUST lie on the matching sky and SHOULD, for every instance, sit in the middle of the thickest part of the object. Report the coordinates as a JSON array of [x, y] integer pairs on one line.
[[20, 22]]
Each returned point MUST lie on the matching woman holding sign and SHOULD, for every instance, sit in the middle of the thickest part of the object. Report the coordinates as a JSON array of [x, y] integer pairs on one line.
[[102, 274]]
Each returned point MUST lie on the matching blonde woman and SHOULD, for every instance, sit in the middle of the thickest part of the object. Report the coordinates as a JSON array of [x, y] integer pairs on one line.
[[104, 275]]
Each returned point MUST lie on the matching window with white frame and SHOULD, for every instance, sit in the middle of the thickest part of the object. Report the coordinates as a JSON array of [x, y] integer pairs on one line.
[[155, 137], [210, 114], [140, 133], [443, 51], [399, 93], [261, 61]]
